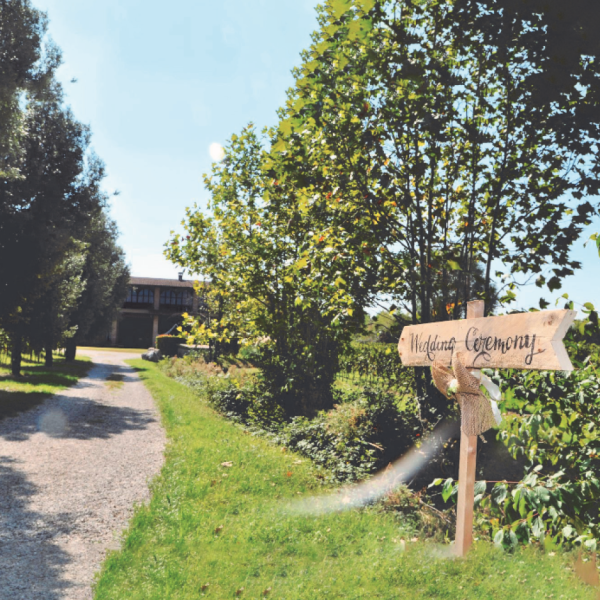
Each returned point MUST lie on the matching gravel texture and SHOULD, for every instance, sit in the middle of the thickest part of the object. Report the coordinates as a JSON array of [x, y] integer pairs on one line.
[[71, 471]]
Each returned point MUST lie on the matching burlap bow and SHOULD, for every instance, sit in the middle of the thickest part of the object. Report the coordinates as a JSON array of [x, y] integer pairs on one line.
[[476, 415]]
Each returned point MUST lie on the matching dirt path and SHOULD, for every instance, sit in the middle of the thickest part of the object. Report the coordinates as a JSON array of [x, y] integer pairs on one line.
[[71, 471]]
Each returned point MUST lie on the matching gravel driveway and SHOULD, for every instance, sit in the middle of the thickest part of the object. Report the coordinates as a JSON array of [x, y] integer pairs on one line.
[[71, 471]]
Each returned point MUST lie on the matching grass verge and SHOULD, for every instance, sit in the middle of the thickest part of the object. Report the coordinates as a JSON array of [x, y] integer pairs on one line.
[[37, 383], [218, 526]]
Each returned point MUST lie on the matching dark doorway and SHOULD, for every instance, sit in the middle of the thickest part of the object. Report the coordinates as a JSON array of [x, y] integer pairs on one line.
[[135, 331]]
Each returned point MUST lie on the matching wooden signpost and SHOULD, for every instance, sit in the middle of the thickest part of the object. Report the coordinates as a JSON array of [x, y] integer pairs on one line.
[[519, 341]]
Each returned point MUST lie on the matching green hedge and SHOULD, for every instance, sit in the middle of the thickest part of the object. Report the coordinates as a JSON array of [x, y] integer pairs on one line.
[[168, 344], [375, 364]]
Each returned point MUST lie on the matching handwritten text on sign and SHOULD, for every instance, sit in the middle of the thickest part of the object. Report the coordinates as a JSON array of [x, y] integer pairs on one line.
[[520, 341]]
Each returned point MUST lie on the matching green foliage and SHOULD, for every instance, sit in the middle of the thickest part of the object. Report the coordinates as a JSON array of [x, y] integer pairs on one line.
[[105, 275], [26, 65], [361, 434], [416, 148], [168, 344], [211, 530], [408, 164], [263, 290], [378, 364], [356, 438], [50, 199], [553, 427], [249, 354]]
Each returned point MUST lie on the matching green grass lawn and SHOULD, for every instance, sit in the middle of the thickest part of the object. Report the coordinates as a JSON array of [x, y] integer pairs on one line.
[[37, 383], [218, 531]]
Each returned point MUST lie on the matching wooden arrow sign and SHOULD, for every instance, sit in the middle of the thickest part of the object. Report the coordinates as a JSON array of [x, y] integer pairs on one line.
[[531, 340], [521, 341]]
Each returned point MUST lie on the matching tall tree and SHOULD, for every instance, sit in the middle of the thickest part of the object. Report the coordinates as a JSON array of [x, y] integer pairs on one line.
[[412, 132], [49, 315], [106, 278], [263, 285], [26, 65], [51, 220], [45, 208]]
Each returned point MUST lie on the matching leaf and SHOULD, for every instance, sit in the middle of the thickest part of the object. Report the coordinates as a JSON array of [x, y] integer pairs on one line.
[[302, 263], [480, 487], [435, 482], [285, 127], [454, 265], [280, 146], [542, 494], [339, 7], [499, 493], [590, 544], [353, 29], [499, 538], [447, 489], [537, 527], [366, 5], [568, 531]]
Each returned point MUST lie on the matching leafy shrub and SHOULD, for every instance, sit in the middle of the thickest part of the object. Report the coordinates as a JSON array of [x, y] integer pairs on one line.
[[356, 438], [379, 364], [247, 405], [168, 344], [360, 435], [250, 354], [554, 428], [232, 402]]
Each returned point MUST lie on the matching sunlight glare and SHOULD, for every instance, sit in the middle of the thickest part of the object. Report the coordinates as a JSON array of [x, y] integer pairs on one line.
[[216, 151], [367, 492]]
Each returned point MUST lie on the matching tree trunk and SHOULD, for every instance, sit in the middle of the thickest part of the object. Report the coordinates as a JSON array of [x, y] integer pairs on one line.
[[49, 360], [15, 355], [70, 350]]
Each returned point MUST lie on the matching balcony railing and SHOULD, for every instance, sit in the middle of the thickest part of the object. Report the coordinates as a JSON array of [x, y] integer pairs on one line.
[[182, 307], [138, 305]]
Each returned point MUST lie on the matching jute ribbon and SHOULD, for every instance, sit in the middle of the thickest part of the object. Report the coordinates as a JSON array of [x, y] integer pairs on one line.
[[476, 409]]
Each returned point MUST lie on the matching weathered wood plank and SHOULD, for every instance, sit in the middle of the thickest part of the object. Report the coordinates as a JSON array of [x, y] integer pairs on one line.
[[520, 341]]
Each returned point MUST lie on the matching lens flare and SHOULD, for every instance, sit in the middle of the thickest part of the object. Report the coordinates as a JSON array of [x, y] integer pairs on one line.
[[367, 492], [53, 422], [216, 151]]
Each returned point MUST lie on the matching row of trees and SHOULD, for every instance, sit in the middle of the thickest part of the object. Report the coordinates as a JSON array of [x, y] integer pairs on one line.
[[429, 153], [62, 274]]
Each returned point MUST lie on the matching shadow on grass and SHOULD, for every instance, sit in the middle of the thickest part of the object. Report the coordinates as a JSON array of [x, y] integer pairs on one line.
[[18, 394], [78, 416], [29, 558], [13, 403]]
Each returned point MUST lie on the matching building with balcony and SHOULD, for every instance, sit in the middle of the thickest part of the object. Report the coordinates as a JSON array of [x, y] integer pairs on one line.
[[152, 307]]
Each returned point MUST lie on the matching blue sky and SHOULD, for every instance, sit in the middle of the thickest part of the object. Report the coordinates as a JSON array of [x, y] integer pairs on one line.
[[158, 84]]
